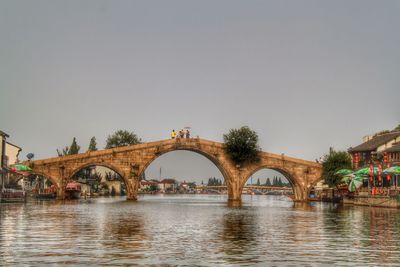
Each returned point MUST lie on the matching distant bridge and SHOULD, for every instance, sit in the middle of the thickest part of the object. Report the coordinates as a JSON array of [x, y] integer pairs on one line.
[[130, 162], [281, 188]]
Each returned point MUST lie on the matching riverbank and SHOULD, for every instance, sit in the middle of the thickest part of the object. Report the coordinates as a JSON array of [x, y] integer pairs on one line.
[[373, 201]]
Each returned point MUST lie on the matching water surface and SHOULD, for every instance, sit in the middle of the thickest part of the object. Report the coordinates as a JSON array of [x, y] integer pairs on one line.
[[197, 230]]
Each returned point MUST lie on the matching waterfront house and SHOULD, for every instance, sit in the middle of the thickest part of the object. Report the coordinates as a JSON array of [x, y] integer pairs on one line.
[[3, 157], [168, 185], [145, 185], [393, 154], [371, 151], [12, 153]]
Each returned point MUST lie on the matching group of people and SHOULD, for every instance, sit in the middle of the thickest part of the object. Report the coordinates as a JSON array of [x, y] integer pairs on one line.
[[184, 133]]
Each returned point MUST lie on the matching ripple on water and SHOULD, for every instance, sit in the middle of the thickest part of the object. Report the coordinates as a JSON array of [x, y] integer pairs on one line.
[[197, 230]]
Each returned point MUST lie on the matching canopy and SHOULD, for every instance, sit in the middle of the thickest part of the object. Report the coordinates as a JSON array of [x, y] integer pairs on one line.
[[347, 178], [344, 172], [392, 170], [20, 167], [366, 171], [355, 183]]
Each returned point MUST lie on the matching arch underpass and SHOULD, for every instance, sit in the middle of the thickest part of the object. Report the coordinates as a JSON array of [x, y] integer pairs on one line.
[[131, 162]]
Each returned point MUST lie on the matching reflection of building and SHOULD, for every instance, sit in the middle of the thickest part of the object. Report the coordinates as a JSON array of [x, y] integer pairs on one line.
[[374, 147]]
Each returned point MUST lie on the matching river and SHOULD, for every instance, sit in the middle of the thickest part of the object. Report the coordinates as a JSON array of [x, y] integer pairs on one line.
[[197, 230]]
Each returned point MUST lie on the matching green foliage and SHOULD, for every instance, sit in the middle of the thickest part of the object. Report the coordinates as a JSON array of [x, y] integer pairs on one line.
[[92, 144], [122, 138], [74, 148], [153, 188], [69, 150], [333, 162], [241, 145], [258, 181], [268, 182], [64, 151], [397, 128], [48, 183]]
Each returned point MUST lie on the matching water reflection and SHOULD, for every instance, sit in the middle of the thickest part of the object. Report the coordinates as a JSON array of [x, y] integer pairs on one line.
[[239, 236], [197, 230]]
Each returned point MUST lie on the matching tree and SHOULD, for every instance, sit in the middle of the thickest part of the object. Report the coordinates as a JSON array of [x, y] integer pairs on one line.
[[258, 181], [333, 162], [69, 150], [241, 145], [92, 144], [397, 128], [268, 182], [64, 151], [153, 188], [74, 148], [122, 138]]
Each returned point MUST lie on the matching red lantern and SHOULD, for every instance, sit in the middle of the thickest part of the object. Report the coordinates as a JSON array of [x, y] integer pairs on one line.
[[380, 173], [385, 157], [371, 172], [388, 176]]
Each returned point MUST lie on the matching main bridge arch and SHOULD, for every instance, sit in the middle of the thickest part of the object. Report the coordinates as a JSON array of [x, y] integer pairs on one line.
[[130, 163], [185, 145]]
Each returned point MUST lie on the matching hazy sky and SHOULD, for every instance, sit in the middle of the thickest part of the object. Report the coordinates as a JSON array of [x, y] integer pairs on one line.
[[306, 75]]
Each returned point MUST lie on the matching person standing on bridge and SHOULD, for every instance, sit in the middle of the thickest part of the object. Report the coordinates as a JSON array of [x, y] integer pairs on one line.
[[173, 134]]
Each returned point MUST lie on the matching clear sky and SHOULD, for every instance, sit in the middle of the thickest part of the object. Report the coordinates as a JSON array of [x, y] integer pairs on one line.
[[306, 75]]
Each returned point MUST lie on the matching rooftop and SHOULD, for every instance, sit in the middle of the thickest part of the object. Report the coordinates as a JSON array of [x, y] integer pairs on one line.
[[375, 142], [3, 134]]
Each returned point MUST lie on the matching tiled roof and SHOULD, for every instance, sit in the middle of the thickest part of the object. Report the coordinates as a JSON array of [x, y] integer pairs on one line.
[[375, 142], [168, 181], [145, 182]]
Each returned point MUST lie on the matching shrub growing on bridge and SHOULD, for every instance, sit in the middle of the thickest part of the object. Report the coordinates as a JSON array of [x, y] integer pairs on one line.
[[241, 145], [122, 138]]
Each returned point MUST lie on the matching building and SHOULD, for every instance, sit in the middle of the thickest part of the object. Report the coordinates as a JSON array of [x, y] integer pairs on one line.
[[374, 148], [393, 153], [3, 157], [12, 153], [146, 185], [168, 185]]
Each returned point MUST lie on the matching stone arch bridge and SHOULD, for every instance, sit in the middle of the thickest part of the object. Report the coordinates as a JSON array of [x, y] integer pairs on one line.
[[131, 161]]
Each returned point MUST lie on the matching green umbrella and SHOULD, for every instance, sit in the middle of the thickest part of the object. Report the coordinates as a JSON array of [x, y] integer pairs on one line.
[[392, 170], [347, 178], [365, 171], [20, 167], [344, 172], [355, 183]]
